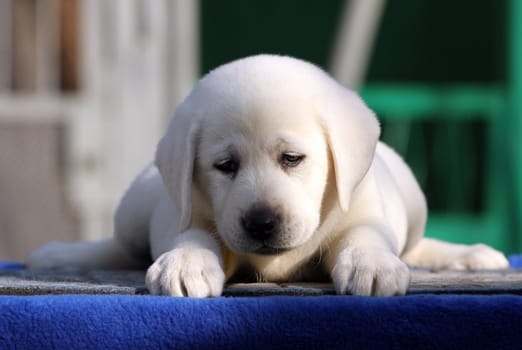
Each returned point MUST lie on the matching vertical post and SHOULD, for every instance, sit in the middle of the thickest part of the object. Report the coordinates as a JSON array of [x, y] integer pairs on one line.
[[355, 38], [84, 127], [6, 47], [182, 51], [47, 38]]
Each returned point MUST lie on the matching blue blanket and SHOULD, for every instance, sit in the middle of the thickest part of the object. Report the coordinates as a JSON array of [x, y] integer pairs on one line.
[[328, 322], [333, 322]]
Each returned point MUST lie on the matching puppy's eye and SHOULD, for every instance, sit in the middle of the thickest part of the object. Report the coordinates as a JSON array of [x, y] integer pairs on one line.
[[227, 166], [290, 160]]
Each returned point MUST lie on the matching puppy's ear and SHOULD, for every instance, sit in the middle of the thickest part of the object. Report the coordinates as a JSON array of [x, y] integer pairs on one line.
[[352, 132], [175, 160]]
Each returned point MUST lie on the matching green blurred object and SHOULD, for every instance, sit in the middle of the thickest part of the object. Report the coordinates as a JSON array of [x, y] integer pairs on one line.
[[460, 112], [445, 80], [470, 164], [515, 110]]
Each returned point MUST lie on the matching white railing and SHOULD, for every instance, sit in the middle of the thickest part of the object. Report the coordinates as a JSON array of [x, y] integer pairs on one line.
[[137, 60]]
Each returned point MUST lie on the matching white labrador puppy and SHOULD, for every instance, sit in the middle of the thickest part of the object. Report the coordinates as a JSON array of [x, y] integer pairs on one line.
[[270, 170]]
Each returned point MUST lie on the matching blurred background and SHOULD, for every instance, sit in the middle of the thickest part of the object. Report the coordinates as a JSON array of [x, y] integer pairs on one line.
[[87, 87]]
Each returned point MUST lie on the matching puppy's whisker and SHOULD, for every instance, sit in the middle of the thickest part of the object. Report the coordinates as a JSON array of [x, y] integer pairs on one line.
[[320, 257]]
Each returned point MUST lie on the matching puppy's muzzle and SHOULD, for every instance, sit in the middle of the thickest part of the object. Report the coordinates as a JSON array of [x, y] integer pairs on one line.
[[261, 223]]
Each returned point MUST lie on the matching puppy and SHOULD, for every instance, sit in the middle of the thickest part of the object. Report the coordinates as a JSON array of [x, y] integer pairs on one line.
[[272, 171]]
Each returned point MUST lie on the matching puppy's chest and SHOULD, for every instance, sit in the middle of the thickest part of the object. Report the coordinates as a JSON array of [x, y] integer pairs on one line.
[[248, 269]]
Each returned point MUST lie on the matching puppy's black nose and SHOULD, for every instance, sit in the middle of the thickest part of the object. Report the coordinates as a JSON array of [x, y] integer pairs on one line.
[[260, 223]]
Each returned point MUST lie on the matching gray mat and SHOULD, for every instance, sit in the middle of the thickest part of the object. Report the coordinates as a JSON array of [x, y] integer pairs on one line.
[[75, 281]]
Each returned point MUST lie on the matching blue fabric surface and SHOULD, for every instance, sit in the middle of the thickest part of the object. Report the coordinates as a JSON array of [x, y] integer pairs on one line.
[[515, 261], [327, 322], [330, 322], [11, 265]]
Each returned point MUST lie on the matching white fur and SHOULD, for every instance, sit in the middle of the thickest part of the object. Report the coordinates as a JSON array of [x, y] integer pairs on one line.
[[350, 210]]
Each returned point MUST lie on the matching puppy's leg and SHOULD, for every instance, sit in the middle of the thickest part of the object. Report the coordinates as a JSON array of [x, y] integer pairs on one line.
[[365, 262], [437, 255], [107, 253], [193, 268]]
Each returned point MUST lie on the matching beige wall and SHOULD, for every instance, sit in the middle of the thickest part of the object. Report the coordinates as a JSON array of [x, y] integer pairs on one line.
[[33, 208], [86, 88]]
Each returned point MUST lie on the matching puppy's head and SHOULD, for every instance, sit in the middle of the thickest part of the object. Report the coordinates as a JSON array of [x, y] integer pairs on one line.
[[254, 141]]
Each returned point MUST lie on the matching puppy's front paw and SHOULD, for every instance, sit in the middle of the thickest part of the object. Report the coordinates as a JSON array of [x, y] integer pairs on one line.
[[361, 272], [479, 257], [191, 272]]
